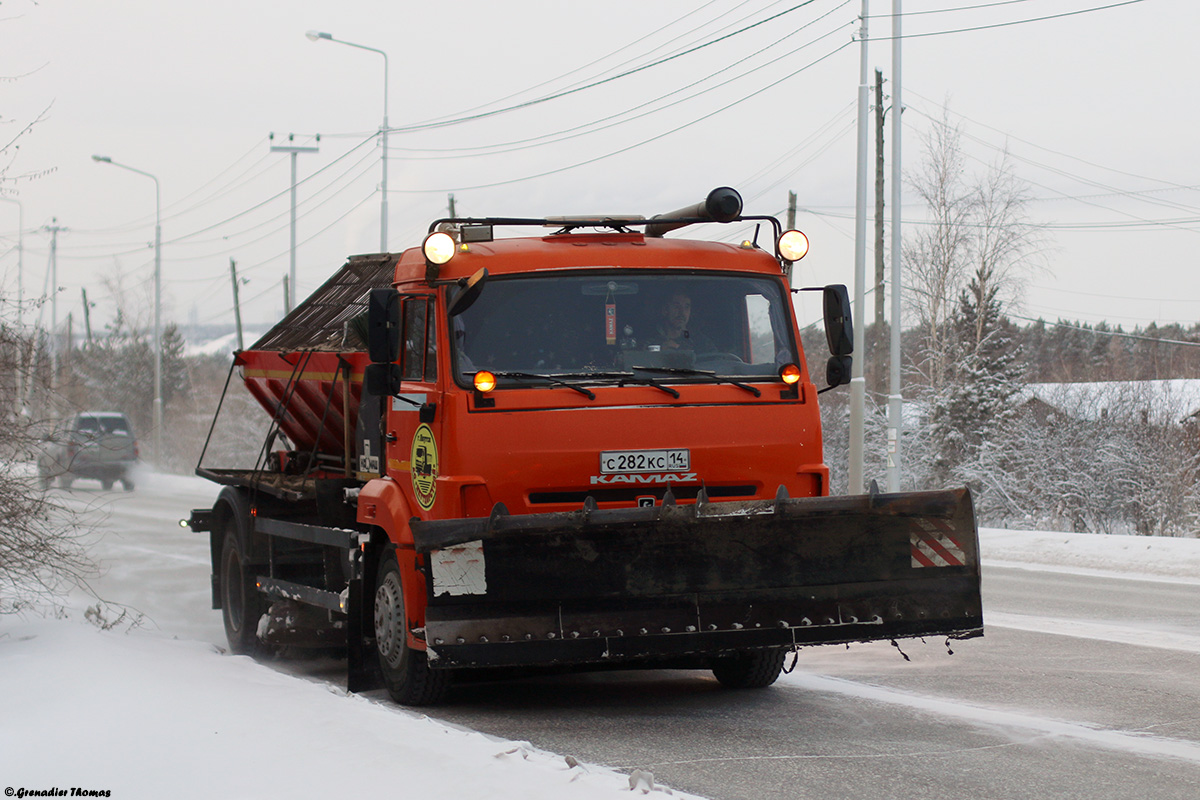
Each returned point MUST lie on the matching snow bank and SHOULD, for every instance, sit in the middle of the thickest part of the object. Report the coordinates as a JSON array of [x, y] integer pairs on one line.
[[1154, 557], [143, 716]]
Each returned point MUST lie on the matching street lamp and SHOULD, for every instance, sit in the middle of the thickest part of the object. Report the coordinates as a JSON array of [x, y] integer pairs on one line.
[[158, 421], [316, 36]]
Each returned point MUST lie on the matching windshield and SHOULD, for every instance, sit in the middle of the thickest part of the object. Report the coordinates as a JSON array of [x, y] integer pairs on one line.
[[659, 324]]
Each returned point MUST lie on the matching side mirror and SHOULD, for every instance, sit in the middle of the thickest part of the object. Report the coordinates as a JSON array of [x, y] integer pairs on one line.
[[839, 327], [383, 326], [382, 380], [468, 292], [837, 371]]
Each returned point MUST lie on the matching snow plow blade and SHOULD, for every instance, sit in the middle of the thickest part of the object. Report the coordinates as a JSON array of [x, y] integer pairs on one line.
[[682, 583]]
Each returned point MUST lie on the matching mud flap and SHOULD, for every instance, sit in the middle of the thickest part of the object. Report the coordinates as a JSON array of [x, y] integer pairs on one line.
[[646, 584]]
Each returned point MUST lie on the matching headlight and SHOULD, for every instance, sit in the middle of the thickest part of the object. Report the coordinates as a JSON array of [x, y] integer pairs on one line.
[[793, 246], [439, 247], [790, 373]]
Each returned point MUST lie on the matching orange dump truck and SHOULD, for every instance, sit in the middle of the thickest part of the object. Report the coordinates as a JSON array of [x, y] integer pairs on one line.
[[588, 446]]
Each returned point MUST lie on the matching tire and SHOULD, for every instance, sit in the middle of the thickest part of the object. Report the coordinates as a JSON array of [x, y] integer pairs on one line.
[[241, 603], [106, 484], [406, 672], [126, 484], [65, 481], [749, 669]]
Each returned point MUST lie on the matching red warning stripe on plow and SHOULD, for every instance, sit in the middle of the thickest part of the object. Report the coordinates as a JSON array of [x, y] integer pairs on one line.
[[935, 548]]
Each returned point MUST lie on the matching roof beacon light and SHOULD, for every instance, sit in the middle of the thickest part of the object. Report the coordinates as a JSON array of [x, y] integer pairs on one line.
[[439, 247], [790, 373], [793, 246]]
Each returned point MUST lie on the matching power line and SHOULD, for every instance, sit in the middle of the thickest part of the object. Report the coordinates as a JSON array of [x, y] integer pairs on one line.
[[626, 149], [579, 130], [907, 14], [595, 62], [1005, 24], [1118, 334], [600, 82]]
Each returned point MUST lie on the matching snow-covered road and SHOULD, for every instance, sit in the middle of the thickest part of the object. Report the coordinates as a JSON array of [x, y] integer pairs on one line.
[[1087, 685]]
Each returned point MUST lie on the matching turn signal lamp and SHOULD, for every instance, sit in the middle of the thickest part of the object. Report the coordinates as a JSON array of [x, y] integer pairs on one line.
[[439, 247], [484, 381], [793, 246], [790, 374]]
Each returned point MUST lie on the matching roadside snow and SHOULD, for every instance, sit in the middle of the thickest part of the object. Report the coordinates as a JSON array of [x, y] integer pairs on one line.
[[1149, 557], [144, 716]]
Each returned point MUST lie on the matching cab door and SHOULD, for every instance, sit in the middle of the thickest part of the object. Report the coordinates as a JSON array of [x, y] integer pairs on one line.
[[414, 421]]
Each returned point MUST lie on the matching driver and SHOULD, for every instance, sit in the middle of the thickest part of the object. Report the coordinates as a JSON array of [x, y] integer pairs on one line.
[[672, 331]]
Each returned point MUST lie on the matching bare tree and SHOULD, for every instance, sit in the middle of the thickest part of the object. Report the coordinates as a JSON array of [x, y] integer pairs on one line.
[[937, 256], [42, 549], [1003, 243], [978, 240]]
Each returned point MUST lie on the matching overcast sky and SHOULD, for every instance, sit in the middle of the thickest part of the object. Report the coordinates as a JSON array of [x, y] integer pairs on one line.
[[1097, 111]]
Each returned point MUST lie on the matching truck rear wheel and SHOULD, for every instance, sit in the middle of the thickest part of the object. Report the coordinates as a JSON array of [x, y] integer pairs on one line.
[[241, 604], [749, 669], [406, 671]]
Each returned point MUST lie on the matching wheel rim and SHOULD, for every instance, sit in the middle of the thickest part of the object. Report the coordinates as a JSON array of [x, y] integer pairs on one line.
[[389, 617]]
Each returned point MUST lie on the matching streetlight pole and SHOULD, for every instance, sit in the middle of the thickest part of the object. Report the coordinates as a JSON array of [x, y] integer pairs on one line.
[[158, 402], [858, 384], [317, 36]]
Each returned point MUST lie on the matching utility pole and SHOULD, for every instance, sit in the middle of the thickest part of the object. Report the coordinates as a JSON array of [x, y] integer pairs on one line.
[[237, 309], [294, 150], [87, 314], [287, 297], [895, 400], [791, 226], [453, 213], [858, 387], [54, 228], [878, 381]]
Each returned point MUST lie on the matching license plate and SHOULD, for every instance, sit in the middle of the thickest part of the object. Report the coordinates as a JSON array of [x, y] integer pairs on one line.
[[619, 462]]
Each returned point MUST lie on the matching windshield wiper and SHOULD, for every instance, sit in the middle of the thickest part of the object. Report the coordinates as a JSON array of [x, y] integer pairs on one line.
[[588, 393], [703, 373], [632, 379]]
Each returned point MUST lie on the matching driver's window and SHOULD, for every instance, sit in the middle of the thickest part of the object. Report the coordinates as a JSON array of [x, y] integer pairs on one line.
[[419, 359]]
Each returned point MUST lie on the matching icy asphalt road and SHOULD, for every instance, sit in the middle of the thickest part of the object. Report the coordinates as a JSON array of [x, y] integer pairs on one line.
[[1084, 686]]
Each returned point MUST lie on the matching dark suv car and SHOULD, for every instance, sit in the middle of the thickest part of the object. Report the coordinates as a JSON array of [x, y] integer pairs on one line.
[[94, 444]]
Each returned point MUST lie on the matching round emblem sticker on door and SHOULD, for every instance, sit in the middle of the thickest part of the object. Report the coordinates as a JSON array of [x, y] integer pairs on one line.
[[424, 466]]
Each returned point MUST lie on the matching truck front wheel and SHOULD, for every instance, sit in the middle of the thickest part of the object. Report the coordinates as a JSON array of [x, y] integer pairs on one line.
[[749, 669], [406, 671]]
